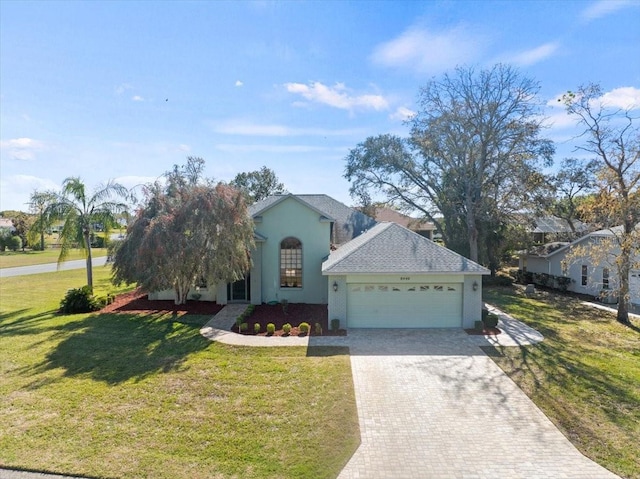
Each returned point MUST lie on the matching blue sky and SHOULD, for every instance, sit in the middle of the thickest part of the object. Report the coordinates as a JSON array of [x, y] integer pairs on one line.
[[125, 90]]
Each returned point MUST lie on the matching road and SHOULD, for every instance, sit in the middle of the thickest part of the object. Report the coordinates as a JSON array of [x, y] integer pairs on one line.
[[49, 267]]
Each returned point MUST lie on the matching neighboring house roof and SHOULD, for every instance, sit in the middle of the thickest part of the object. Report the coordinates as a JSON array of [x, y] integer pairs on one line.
[[390, 248], [553, 224], [7, 223], [554, 248], [348, 223], [394, 216]]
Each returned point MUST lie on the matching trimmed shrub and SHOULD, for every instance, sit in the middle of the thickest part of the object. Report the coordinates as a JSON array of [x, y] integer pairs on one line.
[[335, 324], [318, 328], [79, 300], [244, 327], [14, 243], [286, 328], [491, 321], [256, 328], [304, 328], [271, 328], [250, 309]]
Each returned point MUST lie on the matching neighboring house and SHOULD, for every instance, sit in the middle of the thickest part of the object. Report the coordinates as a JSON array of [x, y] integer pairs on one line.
[[587, 277], [7, 225], [422, 227], [314, 249]]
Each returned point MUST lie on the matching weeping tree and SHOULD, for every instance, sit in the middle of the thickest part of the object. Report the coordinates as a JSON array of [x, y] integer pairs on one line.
[[81, 212], [188, 229]]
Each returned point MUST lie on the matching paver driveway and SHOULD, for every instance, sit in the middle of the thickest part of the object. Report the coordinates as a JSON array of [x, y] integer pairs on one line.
[[432, 405]]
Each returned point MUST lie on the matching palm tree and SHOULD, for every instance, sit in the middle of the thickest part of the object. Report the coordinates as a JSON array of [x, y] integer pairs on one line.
[[81, 213]]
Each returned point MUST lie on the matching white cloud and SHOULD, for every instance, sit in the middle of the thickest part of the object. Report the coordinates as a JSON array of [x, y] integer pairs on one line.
[[535, 55], [603, 8], [336, 96], [15, 190], [123, 87], [137, 98], [239, 83], [402, 114], [627, 98], [23, 149], [248, 128], [428, 51]]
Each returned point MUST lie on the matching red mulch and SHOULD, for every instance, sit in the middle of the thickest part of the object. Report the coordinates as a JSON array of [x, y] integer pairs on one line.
[[138, 302], [487, 331], [295, 314]]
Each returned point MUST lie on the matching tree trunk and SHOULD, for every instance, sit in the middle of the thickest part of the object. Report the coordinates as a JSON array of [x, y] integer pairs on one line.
[[181, 289], [624, 262], [89, 261]]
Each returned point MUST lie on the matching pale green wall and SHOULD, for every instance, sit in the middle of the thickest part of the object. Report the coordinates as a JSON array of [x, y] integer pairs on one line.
[[292, 218]]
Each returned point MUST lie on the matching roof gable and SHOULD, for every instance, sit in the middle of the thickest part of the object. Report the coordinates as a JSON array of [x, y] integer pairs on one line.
[[390, 248], [347, 222]]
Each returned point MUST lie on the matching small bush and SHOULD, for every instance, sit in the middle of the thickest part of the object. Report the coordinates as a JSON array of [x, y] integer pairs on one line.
[[250, 309], [256, 328], [304, 328], [196, 296], [491, 321], [271, 328], [79, 300], [239, 320], [335, 324], [318, 328], [286, 328], [244, 327], [14, 243]]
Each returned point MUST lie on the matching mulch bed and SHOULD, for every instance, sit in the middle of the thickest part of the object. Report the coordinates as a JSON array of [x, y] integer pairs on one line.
[[138, 302], [485, 331], [294, 314]]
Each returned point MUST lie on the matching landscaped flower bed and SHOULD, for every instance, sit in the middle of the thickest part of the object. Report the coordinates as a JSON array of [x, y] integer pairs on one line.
[[293, 314]]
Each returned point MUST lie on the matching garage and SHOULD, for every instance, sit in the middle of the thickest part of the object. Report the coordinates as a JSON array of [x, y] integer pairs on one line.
[[391, 277], [399, 305]]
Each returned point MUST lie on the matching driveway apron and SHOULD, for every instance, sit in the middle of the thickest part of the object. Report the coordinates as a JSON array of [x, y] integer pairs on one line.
[[431, 404]]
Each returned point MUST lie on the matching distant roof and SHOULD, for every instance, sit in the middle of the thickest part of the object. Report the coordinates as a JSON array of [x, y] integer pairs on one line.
[[389, 214], [6, 223], [390, 248], [553, 224], [348, 223]]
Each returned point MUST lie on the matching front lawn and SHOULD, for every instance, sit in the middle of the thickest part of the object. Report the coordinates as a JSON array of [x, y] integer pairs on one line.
[[145, 395], [585, 375]]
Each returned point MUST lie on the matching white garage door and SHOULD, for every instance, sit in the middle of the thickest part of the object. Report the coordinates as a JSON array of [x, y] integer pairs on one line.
[[433, 305]]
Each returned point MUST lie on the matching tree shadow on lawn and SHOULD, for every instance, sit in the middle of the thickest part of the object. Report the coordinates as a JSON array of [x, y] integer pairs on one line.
[[17, 323], [114, 348]]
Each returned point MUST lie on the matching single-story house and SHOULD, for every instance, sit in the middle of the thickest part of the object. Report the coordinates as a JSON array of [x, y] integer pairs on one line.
[[586, 276], [314, 249]]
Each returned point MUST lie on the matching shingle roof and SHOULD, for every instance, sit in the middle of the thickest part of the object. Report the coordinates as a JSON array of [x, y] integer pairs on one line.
[[388, 214], [348, 223], [390, 248]]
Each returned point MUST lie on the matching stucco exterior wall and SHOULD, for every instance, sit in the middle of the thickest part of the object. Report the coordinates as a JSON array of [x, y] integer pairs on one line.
[[207, 294], [337, 299], [471, 301], [292, 218]]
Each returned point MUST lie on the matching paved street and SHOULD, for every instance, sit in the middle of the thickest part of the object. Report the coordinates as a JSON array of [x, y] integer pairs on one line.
[[50, 267]]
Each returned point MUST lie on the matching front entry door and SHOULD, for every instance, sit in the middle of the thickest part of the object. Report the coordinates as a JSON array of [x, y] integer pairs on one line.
[[239, 290]]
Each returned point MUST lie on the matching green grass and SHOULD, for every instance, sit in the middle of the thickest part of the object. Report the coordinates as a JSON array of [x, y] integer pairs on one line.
[[12, 259], [585, 375], [127, 395]]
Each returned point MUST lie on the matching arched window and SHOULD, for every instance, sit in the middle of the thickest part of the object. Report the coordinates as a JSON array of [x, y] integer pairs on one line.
[[290, 263]]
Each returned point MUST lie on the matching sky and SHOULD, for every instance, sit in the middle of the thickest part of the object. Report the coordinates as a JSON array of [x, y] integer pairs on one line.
[[125, 90]]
